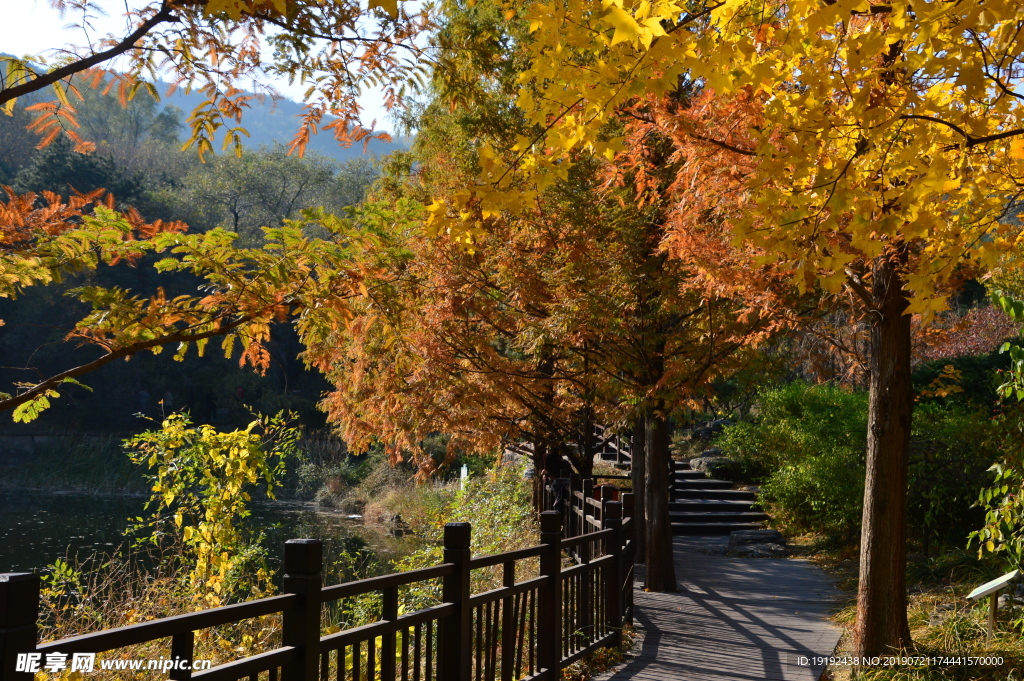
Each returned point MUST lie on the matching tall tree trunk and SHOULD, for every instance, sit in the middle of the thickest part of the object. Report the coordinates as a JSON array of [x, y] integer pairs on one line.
[[661, 570], [882, 596], [638, 471], [584, 463]]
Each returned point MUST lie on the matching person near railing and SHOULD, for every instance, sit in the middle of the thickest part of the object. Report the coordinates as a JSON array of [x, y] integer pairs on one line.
[[557, 486]]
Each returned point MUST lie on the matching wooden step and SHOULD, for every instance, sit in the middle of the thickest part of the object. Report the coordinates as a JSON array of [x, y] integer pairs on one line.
[[702, 517], [720, 505]]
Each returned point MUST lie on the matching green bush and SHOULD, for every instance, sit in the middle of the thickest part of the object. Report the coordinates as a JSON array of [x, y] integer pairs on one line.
[[795, 421], [820, 492], [949, 456], [806, 448]]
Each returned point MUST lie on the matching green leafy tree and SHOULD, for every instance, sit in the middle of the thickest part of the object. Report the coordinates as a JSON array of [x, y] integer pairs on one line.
[[264, 187]]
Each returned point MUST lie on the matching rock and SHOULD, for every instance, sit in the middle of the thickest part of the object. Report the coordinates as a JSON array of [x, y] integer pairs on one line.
[[708, 464], [1007, 600], [747, 537], [713, 451], [770, 550]]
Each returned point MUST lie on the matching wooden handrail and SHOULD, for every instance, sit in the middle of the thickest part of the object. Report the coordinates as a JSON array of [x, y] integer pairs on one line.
[[132, 634], [510, 632]]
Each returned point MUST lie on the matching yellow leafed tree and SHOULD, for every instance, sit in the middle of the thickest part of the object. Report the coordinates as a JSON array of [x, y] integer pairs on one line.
[[889, 165]]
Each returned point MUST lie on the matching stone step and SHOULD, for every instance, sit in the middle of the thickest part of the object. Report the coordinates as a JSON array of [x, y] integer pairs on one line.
[[688, 494], [703, 483], [712, 528], [700, 517]]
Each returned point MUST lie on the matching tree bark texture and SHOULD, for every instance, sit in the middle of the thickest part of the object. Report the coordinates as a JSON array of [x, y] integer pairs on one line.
[[638, 472], [661, 570], [882, 596]]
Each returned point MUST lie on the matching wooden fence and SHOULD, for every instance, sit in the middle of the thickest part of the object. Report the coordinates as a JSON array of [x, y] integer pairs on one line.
[[528, 628]]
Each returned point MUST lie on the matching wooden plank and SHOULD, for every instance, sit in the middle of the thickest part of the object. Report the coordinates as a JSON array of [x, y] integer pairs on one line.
[[733, 619]]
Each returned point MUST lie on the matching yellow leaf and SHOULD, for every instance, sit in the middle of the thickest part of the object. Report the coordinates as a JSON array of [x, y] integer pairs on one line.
[[233, 8], [389, 6], [626, 28], [1017, 148]]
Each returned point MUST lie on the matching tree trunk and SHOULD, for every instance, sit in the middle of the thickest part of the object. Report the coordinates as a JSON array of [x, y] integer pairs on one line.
[[661, 570], [882, 596], [638, 471]]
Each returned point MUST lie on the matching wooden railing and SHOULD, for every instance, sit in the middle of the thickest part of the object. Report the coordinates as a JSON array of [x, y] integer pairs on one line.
[[528, 628], [588, 510]]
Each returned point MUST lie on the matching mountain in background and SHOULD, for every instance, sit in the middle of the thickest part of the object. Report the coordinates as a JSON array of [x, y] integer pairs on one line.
[[273, 122], [269, 122]]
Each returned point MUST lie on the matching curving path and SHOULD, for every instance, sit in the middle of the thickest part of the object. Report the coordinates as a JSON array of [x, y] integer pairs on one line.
[[735, 619]]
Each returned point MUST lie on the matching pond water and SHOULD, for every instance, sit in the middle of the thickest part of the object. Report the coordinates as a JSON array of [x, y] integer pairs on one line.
[[36, 528]]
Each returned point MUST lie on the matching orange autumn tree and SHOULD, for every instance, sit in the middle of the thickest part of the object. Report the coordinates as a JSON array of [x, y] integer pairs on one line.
[[553, 323], [691, 184], [545, 321]]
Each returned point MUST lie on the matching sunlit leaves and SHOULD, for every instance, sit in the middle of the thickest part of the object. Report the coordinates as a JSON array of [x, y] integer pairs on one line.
[[883, 123], [245, 290], [202, 481], [222, 46]]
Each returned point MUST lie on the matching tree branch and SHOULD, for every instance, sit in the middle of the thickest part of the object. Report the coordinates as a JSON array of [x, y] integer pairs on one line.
[[54, 381], [971, 140], [71, 69]]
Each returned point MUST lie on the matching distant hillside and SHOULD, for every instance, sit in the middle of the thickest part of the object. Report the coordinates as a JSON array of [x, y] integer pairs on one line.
[[275, 122]]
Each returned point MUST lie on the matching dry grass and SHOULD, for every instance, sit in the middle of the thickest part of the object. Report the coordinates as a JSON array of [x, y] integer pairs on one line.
[[943, 623], [92, 596], [601, 660]]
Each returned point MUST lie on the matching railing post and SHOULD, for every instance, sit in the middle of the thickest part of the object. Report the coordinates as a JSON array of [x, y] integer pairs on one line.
[[612, 520], [549, 616], [628, 557], [19, 609], [183, 648], [456, 645], [301, 626], [588, 494]]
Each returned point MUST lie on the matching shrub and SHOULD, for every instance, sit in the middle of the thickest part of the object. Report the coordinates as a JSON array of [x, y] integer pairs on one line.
[[949, 455], [806, 447], [202, 481]]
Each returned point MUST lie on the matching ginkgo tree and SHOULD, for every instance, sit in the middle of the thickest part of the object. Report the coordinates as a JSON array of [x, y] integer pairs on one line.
[[888, 163]]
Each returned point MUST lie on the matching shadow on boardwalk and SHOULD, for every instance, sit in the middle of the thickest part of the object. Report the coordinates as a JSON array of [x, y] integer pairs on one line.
[[738, 619]]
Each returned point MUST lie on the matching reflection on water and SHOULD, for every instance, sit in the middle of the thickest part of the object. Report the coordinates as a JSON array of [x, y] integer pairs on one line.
[[38, 528]]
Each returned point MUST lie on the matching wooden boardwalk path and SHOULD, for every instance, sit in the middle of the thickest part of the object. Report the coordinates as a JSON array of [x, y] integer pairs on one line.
[[733, 619]]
